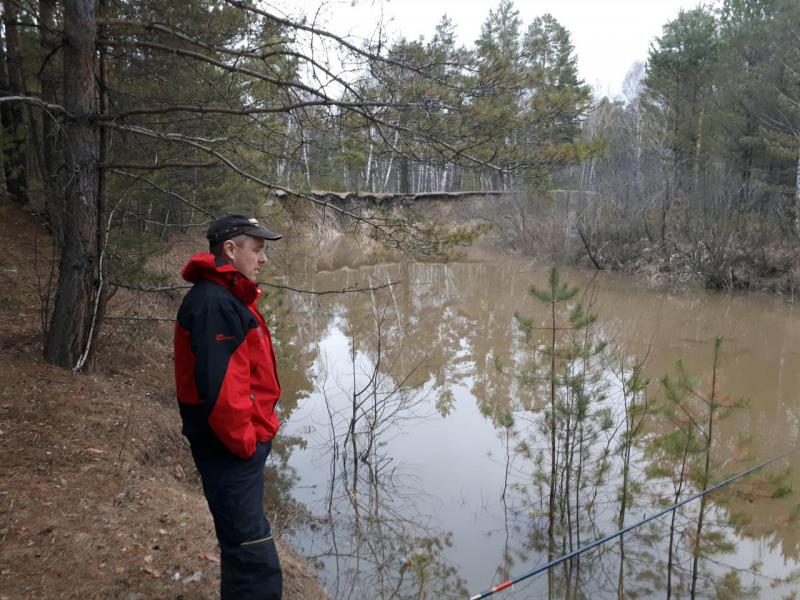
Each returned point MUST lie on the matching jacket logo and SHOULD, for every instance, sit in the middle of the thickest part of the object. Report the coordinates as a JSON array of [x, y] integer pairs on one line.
[[221, 337]]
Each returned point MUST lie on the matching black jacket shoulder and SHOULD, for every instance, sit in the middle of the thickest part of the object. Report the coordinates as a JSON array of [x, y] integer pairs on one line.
[[208, 296]]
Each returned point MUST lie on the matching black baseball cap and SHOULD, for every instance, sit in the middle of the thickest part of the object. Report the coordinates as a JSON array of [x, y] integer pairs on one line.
[[229, 226]]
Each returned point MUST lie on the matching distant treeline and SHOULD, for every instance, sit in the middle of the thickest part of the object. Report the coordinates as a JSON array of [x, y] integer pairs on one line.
[[702, 152], [127, 118]]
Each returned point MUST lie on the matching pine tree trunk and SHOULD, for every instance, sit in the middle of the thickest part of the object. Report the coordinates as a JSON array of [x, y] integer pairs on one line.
[[51, 140], [551, 541], [405, 176], [74, 303], [678, 490], [626, 461], [12, 118], [706, 473]]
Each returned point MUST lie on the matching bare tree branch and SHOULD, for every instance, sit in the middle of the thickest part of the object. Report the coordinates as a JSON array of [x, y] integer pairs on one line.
[[173, 137], [36, 102], [232, 68], [167, 164], [137, 318], [168, 192], [238, 53], [323, 33], [247, 111], [347, 290], [589, 252]]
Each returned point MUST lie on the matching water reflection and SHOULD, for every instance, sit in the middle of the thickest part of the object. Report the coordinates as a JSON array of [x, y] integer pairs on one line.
[[373, 538], [428, 460]]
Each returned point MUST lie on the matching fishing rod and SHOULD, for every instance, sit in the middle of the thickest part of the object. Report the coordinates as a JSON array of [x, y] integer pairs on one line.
[[611, 536]]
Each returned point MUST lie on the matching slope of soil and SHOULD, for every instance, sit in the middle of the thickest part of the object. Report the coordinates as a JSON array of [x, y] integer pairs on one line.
[[98, 496]]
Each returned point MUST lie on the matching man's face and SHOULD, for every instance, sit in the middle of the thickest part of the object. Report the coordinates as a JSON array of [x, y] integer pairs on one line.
[[249, 257]]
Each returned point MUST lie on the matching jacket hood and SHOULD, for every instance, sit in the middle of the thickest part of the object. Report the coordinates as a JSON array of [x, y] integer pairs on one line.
[[204, 266]]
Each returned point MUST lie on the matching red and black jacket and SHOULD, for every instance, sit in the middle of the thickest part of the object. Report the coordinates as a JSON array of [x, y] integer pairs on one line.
[[225, 375]]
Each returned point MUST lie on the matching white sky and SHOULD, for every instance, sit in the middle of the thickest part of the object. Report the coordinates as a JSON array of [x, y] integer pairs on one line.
[[608, 35]]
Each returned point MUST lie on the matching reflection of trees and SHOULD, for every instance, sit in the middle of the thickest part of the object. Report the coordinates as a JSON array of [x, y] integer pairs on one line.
[[379, 546], [453, 319], [452, 325], [296, 350], [581, 447], [686, 454], [296, 346]]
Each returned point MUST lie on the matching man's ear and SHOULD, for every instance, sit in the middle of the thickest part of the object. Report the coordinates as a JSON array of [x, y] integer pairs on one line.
[[228, 247]]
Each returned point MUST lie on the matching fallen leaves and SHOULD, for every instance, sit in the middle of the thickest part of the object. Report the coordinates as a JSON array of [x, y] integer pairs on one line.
[[193, 578], [152, 571], [209, 557]]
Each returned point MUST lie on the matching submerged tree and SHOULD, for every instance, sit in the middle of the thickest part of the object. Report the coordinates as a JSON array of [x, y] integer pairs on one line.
[[603, 442], [635, 406], [567, 378], [686, 454]]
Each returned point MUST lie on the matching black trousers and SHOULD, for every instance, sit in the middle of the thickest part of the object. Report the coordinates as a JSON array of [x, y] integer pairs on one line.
[[234, 489]]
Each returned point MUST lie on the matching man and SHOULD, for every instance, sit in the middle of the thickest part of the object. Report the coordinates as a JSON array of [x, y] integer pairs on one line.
[[227, 387]]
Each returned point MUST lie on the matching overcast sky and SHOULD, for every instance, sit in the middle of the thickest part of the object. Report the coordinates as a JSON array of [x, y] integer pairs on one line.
[[608, 35]]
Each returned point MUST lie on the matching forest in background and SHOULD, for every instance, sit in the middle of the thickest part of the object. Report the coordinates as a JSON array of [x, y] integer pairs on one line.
[[123, 120]]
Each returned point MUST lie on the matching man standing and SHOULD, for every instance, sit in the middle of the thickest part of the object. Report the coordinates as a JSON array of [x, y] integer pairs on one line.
[[227, 386]]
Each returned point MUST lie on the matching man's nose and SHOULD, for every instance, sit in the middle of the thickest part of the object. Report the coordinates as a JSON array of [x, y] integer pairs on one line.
[[262, 257]]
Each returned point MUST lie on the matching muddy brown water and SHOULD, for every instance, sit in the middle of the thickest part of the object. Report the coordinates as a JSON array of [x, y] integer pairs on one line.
[[429, 493]]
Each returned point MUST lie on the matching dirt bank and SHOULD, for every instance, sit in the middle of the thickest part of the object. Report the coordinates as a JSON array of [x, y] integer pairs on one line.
[[98, 497]]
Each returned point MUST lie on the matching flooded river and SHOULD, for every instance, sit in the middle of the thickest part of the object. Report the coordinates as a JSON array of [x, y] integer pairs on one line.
[[418, 426]]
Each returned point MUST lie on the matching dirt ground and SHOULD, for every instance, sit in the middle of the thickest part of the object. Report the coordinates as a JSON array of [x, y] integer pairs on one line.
[[98, 496]]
